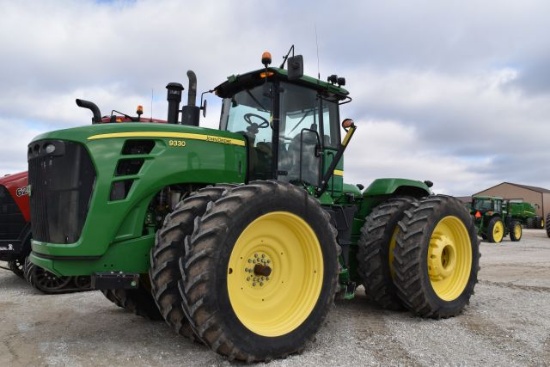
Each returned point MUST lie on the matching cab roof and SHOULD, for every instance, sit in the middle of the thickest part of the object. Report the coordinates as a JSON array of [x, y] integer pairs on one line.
[[236, 83]]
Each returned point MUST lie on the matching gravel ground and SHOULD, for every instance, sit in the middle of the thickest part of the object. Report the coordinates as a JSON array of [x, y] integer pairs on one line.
[[506, 324]]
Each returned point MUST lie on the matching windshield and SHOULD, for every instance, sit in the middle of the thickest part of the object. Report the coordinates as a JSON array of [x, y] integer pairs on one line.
[[483, 204], [249, 112], [307, 123]]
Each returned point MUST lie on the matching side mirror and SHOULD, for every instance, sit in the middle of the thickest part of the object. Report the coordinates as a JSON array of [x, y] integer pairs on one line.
[[295, 67], [203, 108], [203, 103]]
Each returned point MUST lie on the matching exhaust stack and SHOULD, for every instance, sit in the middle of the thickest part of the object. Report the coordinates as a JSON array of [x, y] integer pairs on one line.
[[174, 99], [190, 114], [96, 119]]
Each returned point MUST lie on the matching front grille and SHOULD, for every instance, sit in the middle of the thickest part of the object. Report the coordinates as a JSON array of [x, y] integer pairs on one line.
[[61, 177], [12, 220]]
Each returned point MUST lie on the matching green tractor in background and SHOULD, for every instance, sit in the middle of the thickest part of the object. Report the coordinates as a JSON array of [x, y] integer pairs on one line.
[[526, 213], [495, 218], [242, 237]]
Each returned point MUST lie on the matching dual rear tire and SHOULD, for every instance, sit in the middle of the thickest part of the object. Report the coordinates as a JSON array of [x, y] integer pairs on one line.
[[426, 256]]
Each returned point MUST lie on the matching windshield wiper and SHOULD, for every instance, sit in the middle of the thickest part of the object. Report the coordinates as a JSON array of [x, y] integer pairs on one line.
[[255, 100]]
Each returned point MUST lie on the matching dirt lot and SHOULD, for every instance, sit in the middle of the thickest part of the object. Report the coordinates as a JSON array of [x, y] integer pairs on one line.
[[506, 324]]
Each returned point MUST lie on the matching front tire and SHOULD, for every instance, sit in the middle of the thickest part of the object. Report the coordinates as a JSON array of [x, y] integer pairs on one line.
[[436, 257], [547, 223], [259, 273]]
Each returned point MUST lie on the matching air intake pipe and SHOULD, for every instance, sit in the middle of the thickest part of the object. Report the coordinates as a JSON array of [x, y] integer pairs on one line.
[[190, 114], [174, 99], [96, 119]]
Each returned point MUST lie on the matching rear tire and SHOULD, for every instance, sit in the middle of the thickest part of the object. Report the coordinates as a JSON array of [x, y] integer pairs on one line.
[[516, 231], [548, 225], [495, 230], [259, 273], [436, 258], [168, 249], [375, 251]]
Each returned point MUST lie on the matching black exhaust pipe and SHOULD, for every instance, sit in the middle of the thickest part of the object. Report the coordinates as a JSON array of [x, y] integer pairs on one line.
[[192, 93], [92, 107], [174, 99], [190, 114]]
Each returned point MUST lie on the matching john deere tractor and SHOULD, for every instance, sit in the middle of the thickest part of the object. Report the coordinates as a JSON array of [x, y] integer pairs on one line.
[[241, 237], [495, 218]]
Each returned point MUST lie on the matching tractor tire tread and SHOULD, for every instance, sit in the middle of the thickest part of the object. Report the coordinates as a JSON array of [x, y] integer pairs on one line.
[[411, 277], [169, 247], [198, 271], [373, 252]]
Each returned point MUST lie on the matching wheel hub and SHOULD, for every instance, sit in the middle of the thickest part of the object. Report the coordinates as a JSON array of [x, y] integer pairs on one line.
[[258, 270], [441, 258]]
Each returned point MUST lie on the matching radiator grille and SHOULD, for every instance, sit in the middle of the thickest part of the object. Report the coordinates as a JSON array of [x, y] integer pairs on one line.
[[61, 177]]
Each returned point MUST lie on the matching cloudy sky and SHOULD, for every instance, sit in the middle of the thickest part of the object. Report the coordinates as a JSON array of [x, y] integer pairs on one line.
[[457, 92]]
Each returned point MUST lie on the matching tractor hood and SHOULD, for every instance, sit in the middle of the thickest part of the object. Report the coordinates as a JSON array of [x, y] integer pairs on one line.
[[89, 133]]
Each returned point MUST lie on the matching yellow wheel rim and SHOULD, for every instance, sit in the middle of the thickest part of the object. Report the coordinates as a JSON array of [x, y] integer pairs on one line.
[[498, 231], [517, 230], [449, 258], [275, 274]]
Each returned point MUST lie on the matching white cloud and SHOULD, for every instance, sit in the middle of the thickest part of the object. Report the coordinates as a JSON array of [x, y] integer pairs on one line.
[[456, 92], [382, 149]]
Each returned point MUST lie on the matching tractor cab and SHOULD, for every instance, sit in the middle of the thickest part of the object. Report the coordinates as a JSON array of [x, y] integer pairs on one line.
[[482, 205], [291, 123]]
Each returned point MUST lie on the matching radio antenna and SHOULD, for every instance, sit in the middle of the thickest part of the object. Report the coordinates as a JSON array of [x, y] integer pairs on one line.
[[151, 104], [317, 45]]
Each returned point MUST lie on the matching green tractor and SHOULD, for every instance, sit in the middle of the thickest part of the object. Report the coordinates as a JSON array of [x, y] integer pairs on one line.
[[495, 219], [242, 237]]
